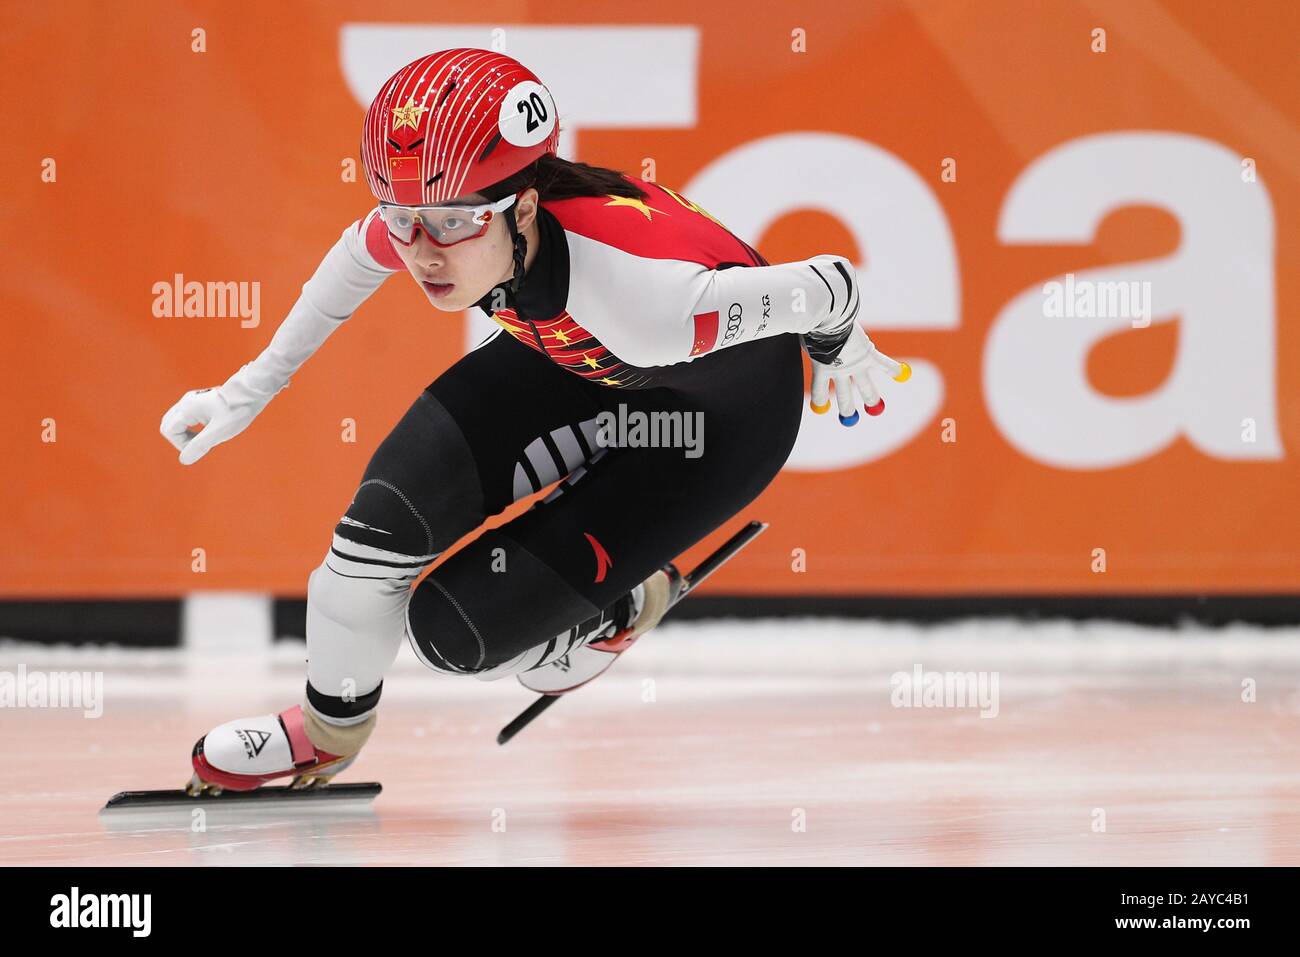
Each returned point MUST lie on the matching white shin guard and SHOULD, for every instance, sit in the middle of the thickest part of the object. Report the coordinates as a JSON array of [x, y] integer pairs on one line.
[[356, 616]]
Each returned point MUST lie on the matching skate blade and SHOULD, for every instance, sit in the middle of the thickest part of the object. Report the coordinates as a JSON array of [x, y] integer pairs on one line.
[[314, 791]]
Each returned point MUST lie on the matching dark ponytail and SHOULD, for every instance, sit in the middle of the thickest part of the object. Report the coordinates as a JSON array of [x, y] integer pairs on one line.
[[556, 178]]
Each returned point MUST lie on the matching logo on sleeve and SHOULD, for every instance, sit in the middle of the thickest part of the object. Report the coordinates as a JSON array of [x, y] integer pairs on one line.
[[706, 332], [734, 315], [767, 314]]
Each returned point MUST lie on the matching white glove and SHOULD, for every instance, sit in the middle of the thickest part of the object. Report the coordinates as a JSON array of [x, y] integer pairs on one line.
[[223, 413], [851, 369], [344, 280]]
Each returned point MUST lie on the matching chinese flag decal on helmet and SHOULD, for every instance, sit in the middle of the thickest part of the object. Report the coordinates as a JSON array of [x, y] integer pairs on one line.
[[452, 123]]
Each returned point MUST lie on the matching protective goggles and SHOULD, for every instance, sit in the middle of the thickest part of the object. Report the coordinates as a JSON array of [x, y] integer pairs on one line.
[[444, 225]]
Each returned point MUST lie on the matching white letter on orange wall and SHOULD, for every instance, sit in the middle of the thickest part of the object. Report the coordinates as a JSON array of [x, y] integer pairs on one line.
[[911, 281], [1218, 286]]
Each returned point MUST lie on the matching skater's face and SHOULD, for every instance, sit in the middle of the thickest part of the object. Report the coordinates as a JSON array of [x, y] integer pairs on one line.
[[473, 267]]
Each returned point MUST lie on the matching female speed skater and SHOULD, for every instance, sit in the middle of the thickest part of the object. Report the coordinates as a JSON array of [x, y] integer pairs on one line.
[[614, 296]]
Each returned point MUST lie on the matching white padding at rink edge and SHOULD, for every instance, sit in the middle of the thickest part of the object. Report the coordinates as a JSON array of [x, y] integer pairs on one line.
[[723, 658], [799, 646], [225, 623]]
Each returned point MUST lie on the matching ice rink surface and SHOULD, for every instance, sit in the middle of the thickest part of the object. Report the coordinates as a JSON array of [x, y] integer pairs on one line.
[[750, 743]]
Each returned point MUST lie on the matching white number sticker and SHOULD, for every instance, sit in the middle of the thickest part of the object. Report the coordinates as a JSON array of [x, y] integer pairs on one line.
[[527, 114]]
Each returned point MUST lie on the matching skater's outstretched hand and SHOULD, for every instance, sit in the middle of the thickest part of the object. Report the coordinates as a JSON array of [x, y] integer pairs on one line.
[[223, 413], [850, 370]]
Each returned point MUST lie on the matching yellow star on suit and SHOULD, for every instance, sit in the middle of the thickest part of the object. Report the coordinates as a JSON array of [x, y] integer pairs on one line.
[[635, 204]]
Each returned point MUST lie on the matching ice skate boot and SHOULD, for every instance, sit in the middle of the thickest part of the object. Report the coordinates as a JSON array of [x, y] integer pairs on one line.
[[636, 613], [244, 754]]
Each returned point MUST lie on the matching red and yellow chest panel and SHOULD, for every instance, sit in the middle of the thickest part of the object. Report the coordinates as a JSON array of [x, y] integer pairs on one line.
[[569, 345]]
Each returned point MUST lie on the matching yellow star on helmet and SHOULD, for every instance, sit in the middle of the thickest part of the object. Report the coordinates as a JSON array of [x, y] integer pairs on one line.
[[408, 115], [635, 204]]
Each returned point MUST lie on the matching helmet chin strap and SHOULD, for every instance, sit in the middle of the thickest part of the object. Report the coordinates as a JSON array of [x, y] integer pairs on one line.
[[520, 251], [511, 287]]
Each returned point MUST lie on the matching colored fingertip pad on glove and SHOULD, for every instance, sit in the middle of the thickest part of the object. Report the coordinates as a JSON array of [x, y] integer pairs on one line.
[[849, 420], [820, 409], [873, 409], [904, 375]]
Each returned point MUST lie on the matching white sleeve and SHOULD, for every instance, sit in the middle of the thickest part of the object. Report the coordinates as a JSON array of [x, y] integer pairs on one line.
[[658, 312], [346, 277], [816, 297]]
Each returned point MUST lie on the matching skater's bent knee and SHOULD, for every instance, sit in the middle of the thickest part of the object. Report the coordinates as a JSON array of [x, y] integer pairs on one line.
[[384, 521], [441, 633]]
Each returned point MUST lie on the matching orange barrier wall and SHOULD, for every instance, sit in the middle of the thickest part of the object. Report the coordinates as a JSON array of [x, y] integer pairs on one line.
[[965, 155]]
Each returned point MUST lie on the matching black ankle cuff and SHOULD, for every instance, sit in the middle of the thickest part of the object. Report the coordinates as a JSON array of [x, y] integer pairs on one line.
[[332, 707]]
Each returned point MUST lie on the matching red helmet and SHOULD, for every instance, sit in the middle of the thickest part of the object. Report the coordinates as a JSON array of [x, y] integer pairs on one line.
[[455, 122]]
